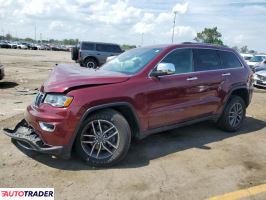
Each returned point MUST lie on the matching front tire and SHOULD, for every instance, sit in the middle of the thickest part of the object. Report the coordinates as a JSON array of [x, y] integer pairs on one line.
[[104, 138], [233, 114]]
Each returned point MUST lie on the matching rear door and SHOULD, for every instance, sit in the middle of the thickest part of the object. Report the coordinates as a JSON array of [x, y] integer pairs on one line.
[[102, 53], [232, 70], [211, 79]]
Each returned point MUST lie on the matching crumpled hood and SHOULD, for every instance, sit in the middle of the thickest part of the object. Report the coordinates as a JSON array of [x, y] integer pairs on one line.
[[67, 76]]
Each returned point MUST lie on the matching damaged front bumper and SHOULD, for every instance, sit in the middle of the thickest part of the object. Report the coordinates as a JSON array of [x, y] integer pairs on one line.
[[26, 138]]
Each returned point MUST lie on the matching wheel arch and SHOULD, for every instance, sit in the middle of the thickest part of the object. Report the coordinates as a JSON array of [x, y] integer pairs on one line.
[[240, 91], [124, 108], [92, 57], [243, 93]]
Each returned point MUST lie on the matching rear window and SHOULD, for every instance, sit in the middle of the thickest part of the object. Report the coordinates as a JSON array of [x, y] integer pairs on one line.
[[229, 60], [207, 59], [87, 46], [108, 48]]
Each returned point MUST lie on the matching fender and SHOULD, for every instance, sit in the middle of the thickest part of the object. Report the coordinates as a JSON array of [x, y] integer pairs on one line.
[[226, 99], [90, 56], [68, 148]]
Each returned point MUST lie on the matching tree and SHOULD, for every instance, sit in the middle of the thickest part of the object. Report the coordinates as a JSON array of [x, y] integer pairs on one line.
[[126, 47], [244, 49], [8, 36], [235, 48], [209, 35], [252, 52]]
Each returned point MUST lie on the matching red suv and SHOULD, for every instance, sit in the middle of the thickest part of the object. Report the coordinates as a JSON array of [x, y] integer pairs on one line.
[[140, 92]]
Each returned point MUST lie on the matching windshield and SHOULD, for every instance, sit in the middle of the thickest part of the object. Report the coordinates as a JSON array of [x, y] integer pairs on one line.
[[256, 59], [132, 61]]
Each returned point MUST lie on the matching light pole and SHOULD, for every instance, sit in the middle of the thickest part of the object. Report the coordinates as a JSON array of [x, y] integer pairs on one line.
[[142, 39], [35, 32], [173, 34]]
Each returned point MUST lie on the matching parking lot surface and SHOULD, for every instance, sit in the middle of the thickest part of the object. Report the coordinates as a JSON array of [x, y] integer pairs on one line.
[[194, 162]]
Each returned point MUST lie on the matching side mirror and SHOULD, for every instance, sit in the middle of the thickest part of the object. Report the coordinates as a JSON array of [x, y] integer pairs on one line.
[[163, 69]]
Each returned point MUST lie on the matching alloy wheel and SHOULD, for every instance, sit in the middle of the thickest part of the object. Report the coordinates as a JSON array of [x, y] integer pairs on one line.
[[90, 65], [100, 139], [235, 114]]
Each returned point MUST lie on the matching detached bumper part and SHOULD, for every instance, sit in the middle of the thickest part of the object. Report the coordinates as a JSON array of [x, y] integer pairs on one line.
[[28, 139]]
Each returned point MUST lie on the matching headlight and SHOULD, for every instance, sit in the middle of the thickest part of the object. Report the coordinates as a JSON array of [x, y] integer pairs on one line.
[[58, 100]]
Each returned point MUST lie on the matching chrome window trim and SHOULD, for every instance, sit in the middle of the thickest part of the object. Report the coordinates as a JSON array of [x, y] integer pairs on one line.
[[242, 66]]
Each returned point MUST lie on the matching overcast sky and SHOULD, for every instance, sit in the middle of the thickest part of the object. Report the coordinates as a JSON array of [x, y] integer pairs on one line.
[[123, 21]]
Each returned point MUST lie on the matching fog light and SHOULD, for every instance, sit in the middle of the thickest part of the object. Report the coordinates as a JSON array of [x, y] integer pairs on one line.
[[47, 126]]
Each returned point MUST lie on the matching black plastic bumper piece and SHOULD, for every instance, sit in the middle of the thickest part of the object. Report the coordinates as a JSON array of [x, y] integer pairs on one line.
[[28, 139]]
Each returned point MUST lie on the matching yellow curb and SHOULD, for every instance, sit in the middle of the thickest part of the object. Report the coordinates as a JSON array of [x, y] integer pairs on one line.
[[241, 193]]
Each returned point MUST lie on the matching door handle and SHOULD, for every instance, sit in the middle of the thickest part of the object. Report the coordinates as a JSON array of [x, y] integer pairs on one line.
[[226, 74], [192, 78]]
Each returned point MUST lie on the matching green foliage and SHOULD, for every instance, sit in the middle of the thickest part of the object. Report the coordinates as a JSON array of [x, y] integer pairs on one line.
[[209, 35], [65, 41], [244, 49], [126, 47], [235, 48]]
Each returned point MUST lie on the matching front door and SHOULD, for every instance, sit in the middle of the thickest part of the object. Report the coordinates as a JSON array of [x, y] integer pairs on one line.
[[186, 95]]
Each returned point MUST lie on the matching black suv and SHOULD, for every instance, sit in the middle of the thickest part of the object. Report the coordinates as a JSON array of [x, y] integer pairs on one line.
[[94, 54]]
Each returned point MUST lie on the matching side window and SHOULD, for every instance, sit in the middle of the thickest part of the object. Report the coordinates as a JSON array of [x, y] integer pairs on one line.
[[229, 60], [101, 47], [207, 59], [87, 46], [108, 48], [115, 49], [182, 60]]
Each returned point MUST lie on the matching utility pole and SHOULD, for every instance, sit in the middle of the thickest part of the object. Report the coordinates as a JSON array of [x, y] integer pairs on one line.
[[142, 39], [173, 34], [35, 32], [41, 37], [3, 31]]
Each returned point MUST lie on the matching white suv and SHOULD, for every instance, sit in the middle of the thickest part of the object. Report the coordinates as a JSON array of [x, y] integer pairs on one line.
[[256, 60]]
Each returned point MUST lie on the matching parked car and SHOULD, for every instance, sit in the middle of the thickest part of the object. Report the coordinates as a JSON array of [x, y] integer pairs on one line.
[[40, 47], [140, 92], [260, 68], [94, 54], [4, 44], [13, 45], [22, 46], [246, 56], [256, 60], [2, 72], [260, 76], [261, 64]]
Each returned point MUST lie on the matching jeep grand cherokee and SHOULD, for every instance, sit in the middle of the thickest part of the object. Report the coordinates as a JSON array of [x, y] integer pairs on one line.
[[140, 92]]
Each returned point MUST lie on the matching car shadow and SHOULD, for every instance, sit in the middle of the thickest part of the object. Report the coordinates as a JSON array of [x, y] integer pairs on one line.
[[159, 145], [7, 85]]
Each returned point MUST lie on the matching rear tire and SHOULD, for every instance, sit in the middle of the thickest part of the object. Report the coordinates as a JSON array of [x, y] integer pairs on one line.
[[233, 114], [90, 63], [92, 143]]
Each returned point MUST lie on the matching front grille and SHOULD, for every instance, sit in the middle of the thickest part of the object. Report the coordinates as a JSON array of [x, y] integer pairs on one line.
[[39, 99]]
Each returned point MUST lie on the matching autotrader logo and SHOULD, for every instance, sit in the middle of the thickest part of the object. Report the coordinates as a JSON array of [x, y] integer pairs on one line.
[[27, 193]]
